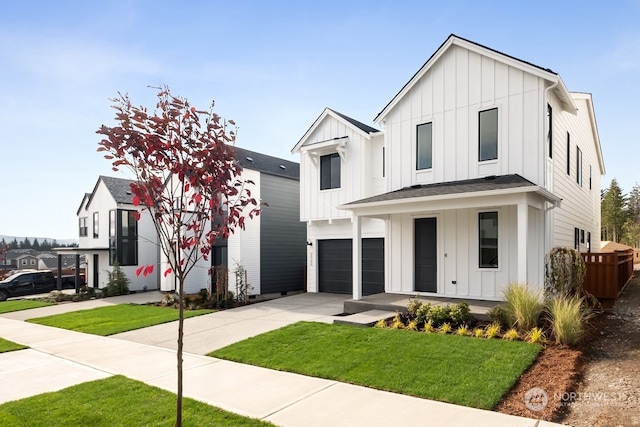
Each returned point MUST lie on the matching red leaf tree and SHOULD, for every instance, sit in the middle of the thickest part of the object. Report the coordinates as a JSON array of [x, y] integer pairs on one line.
[[186, 176]]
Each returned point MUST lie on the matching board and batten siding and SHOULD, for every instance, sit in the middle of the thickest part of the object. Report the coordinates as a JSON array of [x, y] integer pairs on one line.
[[580, 206], [450, 95], [282, 236], [324, 202]]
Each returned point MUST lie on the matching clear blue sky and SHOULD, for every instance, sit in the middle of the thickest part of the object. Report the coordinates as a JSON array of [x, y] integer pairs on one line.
[[272, 66]]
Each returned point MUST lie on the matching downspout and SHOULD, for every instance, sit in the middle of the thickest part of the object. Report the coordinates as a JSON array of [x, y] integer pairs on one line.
[[545, 162]]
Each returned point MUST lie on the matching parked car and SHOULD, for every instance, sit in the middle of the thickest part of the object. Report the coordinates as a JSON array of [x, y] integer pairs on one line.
[[29, 282]]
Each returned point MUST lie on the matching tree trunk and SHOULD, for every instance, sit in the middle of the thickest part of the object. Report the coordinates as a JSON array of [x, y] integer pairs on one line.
[[179, 352]]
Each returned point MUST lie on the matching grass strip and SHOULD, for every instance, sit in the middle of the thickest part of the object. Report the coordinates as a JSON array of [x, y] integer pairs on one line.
[[114, 319], [7, 346], [21, 304], [112, 402], [474, 372]]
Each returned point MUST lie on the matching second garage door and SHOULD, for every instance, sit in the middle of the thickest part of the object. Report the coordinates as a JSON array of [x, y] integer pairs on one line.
[[335, 273]]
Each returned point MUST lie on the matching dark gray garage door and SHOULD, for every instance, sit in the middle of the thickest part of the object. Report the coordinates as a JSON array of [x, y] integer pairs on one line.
[[335, 272]]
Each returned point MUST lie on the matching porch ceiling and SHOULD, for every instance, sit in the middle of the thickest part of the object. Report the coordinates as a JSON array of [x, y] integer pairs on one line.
[[488, 191]]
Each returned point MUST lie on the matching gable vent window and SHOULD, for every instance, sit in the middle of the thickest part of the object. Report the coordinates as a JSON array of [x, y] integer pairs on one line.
[[488, 135], [330, 171]]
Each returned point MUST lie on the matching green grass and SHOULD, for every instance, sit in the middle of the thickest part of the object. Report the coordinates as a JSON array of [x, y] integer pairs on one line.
[[115, 401], [21, 304], [467, 371], [115, 319], [6, 346]]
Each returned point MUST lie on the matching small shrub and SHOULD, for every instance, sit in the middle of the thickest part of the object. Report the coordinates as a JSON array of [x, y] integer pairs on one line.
[[412, 325], [523, 306], [459, 313], [382, 323], [422, 313], [492, 330], [568, 317], [413, 307], [445, 328], [535, 336], [462, 331], [510, 335], [478, 332], [498, 314], [439, 315], [397, 322], [118, 283], [428, 327]]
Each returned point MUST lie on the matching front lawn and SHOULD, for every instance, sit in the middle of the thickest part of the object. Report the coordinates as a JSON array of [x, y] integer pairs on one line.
[[466, 371], [21, 304], [114, 401], [6, 346], [115, 319]]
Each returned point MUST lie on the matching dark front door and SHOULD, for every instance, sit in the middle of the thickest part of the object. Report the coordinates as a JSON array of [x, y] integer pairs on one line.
[[426, 260], [372, 266]]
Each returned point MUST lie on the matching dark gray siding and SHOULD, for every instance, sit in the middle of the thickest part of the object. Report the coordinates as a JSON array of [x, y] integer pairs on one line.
[[283, 253]]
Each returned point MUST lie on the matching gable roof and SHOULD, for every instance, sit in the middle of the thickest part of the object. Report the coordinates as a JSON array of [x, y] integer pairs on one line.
[[359, 127], [119, 189], [452, 188], [267, 164], [453, 40], [594, 125]]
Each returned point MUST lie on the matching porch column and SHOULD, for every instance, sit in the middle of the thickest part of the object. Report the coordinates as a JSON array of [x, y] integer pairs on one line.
[[523, 227], [357, 257]]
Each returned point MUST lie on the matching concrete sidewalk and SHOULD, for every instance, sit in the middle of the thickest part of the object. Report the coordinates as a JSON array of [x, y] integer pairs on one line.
[[59, 358]]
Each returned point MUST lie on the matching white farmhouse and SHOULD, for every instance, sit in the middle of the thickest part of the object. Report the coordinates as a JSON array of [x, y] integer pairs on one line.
[[484, 163]]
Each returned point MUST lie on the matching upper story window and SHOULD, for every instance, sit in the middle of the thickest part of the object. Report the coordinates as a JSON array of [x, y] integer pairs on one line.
[[123, 237], [590, 175], [330, 171], [424, 146], [488, 239], [550, 126], [579, 166], [96, 225], [568, 153], [82, 227], [488, 135]]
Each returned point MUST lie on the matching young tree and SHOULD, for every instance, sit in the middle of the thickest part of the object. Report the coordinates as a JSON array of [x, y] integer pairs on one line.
[[186, 177]]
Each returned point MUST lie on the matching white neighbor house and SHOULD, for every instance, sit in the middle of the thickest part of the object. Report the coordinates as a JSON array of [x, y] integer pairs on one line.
[[485, 163], [108, 232]]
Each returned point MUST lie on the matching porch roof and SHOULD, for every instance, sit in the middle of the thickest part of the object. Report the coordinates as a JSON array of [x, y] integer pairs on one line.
[[487, 186]]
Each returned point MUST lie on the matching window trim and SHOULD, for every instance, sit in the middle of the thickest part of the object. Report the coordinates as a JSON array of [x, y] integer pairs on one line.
[[83, 230], [578, 166], [117, 241], [481, 265], [96, 225], [550, 130], [480, 158], [330, 159], [568, 154], [418, 165]]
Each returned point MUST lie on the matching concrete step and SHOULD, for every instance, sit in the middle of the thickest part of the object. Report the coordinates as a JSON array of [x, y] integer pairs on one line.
[[364, 318]]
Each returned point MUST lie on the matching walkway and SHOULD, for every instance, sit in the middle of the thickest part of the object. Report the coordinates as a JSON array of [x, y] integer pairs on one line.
[[59, 358]]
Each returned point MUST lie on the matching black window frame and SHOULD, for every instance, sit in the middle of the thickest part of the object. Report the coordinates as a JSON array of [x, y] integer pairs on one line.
[[486, 251], [550, 134], [484, 157], [96, 225], [578, 166], [427, 162], [568, 154], [83, 230], [329, 177], [123, 238]]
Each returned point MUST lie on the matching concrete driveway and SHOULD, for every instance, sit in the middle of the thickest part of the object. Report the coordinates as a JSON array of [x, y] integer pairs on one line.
[[204, 334]]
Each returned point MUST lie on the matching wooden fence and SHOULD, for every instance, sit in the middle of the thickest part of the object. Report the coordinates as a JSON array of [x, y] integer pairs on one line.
[[607, 272]]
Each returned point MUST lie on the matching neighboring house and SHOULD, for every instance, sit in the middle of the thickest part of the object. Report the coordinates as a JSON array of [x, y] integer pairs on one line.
[[485, 163], [271, 248], [109, 233]]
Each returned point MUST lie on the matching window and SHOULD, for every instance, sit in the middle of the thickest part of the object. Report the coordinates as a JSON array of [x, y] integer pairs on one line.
[[330, 171], [24, 262], [589, 177], [568, 154], [589, 241], [33, 262], [576, 238], [82, 227], [550, 126], [424, 146], [488, 132], [579, 166], [383, 160], [488, 239], [96, 227], [123, 237], [581, 236]]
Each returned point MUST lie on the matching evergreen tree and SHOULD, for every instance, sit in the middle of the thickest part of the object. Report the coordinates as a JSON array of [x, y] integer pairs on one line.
[[45, 246], [25, 244], [631, 234], [14, 244], [36, 245], [614, 212]]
